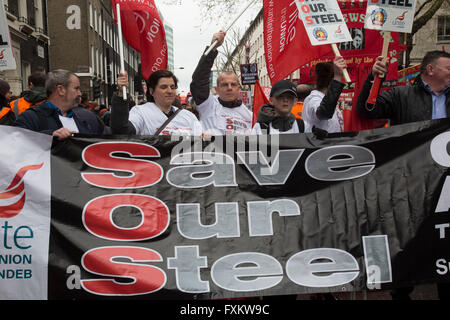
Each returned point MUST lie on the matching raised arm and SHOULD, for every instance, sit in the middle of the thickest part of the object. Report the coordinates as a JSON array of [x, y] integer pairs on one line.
[[120, 110], [383, 106], [328, 104], [200, 77]]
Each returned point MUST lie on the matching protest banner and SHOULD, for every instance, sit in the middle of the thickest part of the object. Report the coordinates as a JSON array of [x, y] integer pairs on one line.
[[7, 60], [249, 73], [397, 16], [136, 217], [286, 44], [408, 75], [324, 24]]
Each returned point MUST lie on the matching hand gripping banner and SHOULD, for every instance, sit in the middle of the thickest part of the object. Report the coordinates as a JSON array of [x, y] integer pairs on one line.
[[171, 218]]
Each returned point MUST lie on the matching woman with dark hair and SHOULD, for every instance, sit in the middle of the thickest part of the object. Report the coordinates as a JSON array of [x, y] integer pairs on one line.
[[320, 108], [6, 117], [148, 119]]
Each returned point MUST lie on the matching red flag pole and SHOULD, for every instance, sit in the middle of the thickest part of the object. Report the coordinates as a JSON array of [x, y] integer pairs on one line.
[[377, 81], [122, 59]]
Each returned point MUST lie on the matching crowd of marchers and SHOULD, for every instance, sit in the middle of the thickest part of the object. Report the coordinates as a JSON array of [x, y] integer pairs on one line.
[[55, 105]]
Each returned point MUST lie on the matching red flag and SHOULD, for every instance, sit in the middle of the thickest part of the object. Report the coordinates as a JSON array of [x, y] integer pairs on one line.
[[143, 30], [286, 43], [355, 122], [259, 99]]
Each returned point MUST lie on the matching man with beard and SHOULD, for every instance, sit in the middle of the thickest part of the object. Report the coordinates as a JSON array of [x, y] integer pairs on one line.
[[61, 116]]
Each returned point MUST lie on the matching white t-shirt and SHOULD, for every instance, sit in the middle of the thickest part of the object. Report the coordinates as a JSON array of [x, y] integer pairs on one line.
[[220, 120], [310, 106], [257, 129], [147, 119]]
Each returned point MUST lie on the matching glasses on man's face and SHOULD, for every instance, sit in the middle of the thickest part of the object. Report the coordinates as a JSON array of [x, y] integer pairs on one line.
[[165, 86], [226, 85]]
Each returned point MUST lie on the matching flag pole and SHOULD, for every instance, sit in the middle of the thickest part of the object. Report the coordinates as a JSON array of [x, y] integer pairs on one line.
[[377, 81], [122, 59], [338, 54], [229, 27]]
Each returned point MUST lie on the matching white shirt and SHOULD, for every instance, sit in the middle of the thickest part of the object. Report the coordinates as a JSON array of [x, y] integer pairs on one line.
[[147, 119], [257, 129], [220, 120], [310, 106]]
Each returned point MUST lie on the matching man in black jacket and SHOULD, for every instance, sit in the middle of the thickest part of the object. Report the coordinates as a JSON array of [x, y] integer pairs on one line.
[[60, 116], [428, 98]]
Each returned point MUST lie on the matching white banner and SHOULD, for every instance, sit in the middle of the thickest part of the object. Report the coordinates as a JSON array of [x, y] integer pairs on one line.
[[7, 60], [323, 21], [392, 15], [25, 194]]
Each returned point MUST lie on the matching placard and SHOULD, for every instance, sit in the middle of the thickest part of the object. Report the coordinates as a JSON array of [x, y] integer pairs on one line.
[[249, 73], [7, 60], [390, 15], [323, 21]]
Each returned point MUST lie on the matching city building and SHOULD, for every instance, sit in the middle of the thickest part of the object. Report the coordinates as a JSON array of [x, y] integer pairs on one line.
[[85, 40], [169, 40], [27, 22], [434, 35]]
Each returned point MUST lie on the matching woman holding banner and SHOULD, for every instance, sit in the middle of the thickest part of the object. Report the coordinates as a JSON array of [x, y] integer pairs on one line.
[[319, 108]]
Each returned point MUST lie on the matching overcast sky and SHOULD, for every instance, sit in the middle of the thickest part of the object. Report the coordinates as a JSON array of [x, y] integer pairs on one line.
[[192, 35]]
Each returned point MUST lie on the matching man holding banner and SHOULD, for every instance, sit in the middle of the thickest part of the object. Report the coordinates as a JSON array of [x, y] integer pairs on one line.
[[430, 93], [226, 114]]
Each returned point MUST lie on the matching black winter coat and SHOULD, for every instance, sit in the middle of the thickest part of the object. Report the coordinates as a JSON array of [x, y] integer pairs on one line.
[[86, 121], [401, 104]]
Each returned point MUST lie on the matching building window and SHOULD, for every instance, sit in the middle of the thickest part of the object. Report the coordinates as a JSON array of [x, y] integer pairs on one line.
[[92, 59], [95, 20], [97, 62], [443, 28], [91, 17], [100, 24], [31, 13], [13, 7]]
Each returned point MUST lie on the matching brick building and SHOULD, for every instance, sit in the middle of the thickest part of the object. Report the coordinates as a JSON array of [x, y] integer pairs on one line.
[[27, 22], [85, 40]]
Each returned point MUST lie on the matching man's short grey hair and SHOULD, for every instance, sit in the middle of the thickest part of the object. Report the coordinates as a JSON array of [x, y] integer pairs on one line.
[[225, 73], [56, 78]]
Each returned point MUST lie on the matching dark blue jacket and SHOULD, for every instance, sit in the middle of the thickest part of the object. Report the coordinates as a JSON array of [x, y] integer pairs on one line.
[[45, 119]]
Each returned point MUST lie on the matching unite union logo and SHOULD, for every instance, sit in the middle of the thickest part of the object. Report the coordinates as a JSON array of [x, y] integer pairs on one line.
[[400, 20], [15, 189]]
